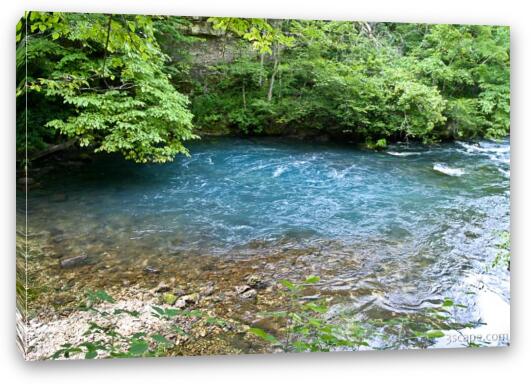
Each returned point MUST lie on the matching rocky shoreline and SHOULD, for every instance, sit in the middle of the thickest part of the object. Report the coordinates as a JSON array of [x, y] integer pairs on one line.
[[49, 331], [237, 293]]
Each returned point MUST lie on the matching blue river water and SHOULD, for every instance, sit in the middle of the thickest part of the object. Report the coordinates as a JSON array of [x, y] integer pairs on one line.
[[418, 220]]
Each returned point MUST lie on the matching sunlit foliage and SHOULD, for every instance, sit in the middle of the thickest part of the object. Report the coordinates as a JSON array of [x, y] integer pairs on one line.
[[137, 85]]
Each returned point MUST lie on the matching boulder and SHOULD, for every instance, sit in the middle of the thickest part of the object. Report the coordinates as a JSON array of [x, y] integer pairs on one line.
[[240, 289], [249, 294]]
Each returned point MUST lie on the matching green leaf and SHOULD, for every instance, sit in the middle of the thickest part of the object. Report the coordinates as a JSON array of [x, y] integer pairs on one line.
[[138, 347], [158, 310], [264, 335], [447, 302], [159, 339], [434, 334], [193, 313], [172, 312], [288, 284], [312, 279], [301, 346], [316, 307], [104, 296], [91, 355]]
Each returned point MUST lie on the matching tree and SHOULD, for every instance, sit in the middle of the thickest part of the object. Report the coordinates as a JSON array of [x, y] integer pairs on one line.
[[108, 72], [470, 66]]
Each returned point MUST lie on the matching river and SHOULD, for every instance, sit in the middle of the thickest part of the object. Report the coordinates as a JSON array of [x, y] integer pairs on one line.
[[391, 232]]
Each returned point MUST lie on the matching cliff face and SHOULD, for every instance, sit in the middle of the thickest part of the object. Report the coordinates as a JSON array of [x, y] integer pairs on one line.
[[210, 47], [203, 52]]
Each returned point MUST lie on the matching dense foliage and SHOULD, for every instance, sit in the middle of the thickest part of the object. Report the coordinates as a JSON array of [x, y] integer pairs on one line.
[[371, 81], [104, 75], [137, 84]]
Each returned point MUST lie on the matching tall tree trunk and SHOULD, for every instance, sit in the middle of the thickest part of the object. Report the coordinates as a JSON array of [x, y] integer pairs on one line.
[[260, 79], [279, 82], [273, 74]]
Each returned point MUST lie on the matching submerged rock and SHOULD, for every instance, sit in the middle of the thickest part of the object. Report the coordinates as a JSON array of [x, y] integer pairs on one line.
[[246, 292], [256, 281], [151, 270], [75, 261]]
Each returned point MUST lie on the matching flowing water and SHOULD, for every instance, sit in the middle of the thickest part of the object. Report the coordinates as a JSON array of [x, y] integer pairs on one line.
[[391, 231]]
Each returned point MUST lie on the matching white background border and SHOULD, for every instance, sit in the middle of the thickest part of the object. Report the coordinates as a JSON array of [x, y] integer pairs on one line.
[[474, 366]]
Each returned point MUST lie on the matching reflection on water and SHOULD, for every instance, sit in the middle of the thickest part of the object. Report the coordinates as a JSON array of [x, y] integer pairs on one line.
[[388, 231]]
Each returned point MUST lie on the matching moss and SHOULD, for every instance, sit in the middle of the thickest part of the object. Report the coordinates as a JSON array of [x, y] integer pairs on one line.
[[169, 298]]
